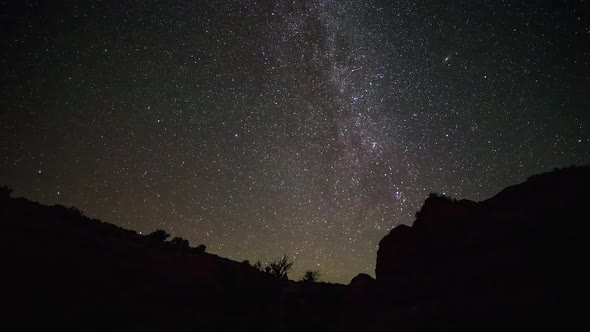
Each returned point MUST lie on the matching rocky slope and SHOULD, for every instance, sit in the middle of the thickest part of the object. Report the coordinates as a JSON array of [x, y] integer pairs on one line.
[[65, 271]]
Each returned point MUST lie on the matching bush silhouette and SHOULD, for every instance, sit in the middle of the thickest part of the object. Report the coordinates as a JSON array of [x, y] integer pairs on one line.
[[280, 268], [442, 197], [180, 242], [158, 235], [201, 248], [75, 212], [311, 276]]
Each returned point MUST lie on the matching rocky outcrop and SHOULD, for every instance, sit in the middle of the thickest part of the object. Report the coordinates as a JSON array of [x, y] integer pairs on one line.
[[513, 256], [360, 292]]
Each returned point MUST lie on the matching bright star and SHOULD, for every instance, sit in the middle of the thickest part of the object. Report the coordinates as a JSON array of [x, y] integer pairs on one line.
[[447, 58]]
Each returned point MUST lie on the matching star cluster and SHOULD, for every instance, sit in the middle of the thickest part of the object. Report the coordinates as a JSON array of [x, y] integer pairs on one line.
[[307, 128]]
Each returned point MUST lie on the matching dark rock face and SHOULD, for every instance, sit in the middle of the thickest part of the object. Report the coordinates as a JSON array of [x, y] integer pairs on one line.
[[360, 292], [362, 280], [513, 256]]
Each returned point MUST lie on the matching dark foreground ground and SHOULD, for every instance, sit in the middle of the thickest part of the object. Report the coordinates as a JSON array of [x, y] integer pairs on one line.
[[517, 261]]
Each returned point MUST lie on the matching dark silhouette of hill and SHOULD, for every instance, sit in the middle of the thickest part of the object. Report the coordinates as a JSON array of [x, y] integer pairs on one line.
[[65, 271], [517, 261]]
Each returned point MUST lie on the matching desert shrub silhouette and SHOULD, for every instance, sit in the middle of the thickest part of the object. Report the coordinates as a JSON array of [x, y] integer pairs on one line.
[[311, 276], [258, 266], [180, 243], [158, 235], [201, 248], [280, 267], [75, 212], [441, 196]]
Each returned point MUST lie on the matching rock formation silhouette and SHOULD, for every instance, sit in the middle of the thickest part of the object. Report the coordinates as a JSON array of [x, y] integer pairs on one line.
[[518, 259]]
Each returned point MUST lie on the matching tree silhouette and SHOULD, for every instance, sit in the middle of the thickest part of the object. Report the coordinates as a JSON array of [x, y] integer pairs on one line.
[[158, 235], [258, 266], [280, 268], [311, 276], [201, 248], [180, 242]]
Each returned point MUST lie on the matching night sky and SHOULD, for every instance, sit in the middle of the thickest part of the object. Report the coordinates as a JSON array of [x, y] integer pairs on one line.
[[307, 128]]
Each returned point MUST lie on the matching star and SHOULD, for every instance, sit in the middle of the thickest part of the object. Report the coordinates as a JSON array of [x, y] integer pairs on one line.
[[447, 58]]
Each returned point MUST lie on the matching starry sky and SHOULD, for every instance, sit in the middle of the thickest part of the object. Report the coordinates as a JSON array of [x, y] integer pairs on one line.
[[308, 128]]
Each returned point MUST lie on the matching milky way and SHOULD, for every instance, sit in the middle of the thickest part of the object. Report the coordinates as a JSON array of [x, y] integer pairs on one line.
[[307, 128]]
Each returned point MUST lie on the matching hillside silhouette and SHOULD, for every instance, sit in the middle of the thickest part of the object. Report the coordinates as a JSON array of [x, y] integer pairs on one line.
[[517, 261]]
